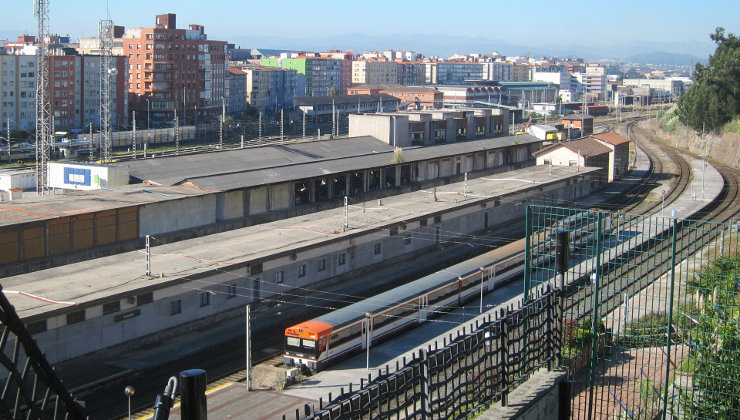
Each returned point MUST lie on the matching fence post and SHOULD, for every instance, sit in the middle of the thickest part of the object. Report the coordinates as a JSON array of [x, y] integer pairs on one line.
[[504, 358], [551, 333], [595, 316], [527, 252], [670, 318], [425, 391]]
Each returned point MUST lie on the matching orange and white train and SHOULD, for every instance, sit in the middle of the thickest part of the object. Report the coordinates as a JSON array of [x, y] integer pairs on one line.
[[330, 337]]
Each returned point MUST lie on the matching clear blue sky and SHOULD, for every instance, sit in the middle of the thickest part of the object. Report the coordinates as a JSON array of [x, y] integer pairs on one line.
[[533, 22]]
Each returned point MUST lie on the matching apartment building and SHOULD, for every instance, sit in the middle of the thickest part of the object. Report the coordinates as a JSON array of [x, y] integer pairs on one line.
[[174, 69], [74, 90], [520, 73], [371, 71], [272, 88], [322, 73], [593, 82], [453, 72], [411, 73], [236, 92]]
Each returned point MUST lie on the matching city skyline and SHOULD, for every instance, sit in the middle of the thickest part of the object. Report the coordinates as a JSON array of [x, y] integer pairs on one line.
[[677, 28]]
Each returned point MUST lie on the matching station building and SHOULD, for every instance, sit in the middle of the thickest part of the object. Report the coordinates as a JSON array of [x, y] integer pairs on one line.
[[281, 269], [184, 196]]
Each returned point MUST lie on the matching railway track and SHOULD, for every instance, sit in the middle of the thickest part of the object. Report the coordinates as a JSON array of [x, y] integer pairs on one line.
[[652, 261]]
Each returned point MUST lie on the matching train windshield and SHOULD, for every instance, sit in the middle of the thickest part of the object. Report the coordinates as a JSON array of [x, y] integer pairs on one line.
[[296, 344]]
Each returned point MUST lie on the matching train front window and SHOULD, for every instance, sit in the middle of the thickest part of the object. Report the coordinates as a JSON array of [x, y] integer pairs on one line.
[[309, 344], [293, 342]]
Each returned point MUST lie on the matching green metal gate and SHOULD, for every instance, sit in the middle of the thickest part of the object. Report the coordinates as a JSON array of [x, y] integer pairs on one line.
[[651, 312]]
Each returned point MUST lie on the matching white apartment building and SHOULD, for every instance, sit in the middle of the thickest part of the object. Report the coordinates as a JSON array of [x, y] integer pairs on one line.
[[375, 72]]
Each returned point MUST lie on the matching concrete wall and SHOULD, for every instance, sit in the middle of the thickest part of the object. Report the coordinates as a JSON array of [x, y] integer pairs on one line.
[[174, 215], [391, 129], [538, 398], [230, 205], [258, 202]]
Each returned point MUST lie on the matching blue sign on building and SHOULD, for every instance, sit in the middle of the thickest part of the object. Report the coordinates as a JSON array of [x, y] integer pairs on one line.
[[77, 176]]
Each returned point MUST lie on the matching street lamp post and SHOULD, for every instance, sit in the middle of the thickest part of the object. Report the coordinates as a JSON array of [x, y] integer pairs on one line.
[[129, 391], [147, 126]]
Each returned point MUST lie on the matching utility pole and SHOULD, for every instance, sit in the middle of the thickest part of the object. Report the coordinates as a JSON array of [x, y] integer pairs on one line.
[[703, 156], [346, 213], [223, 117], [282, 123], [177, 134], [333, 118], [148, 257], [133, 132], [107, 72], [304, 124], [43, 101], [248, 370], [259, 127], [8, 138]]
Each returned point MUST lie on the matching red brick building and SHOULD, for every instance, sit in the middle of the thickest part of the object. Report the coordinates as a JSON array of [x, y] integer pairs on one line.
[[175, 70]]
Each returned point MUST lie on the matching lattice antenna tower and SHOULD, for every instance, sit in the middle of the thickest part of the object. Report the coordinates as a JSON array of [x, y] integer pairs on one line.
[[107, 74], [44, 130]]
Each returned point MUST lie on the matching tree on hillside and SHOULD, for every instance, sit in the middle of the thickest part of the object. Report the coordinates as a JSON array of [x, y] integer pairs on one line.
[[715, 96]]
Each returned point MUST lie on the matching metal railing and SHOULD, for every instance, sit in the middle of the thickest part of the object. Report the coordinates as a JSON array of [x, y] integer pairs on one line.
[[479, 366]]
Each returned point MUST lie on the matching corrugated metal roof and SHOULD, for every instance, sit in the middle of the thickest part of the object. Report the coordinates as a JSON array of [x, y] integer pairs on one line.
[[611, 138], [241, 168], [586, 147]]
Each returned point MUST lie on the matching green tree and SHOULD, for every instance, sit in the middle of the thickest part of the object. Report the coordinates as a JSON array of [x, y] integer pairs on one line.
[[714, 98], [334, 91]]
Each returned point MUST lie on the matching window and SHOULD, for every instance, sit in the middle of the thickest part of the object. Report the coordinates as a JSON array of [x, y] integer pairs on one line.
[[341, 258], [111, 307], [144, 298], [322, 264], [176, 307], [205, 299], [407, 239], [279, 277], [36, 327], [377, 249], [302, 270], [231, 291], [75, 317]]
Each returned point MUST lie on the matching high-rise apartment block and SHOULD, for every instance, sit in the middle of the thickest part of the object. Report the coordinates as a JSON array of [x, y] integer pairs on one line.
[[271, 88], [322, 74], [175, 70], [74, 90]]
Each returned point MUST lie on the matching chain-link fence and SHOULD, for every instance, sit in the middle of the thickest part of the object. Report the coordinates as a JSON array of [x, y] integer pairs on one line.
[[651, 312]]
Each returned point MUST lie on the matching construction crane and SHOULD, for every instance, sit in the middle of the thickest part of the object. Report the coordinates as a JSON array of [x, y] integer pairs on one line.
[[44, 129]]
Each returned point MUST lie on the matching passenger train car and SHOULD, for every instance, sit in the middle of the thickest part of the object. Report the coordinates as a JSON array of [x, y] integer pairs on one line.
[[326, 339]]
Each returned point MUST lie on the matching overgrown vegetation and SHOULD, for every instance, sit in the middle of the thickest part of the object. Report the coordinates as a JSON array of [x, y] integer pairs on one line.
[[714, 98], [714, 342], [669, 120], [733, 126], [397, 155]]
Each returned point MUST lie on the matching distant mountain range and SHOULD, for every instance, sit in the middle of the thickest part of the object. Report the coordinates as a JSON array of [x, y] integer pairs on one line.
[[658, 57], [443, 46]]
